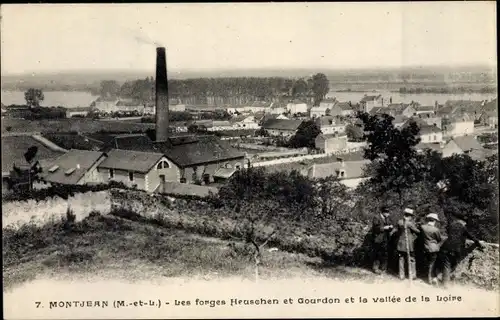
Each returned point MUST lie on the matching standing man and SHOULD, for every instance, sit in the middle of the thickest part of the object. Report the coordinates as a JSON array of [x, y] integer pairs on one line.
[[433, 240], [380, 230], [407, 232], [453, 248]]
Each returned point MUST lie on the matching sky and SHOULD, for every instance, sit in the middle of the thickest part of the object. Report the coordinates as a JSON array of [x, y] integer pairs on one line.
[[51, 38]]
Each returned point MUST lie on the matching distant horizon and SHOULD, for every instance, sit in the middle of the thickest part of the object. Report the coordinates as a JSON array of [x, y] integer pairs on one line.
[[482, 67]]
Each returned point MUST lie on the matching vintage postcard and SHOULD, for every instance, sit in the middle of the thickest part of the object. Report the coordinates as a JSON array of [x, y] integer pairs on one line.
[[236, 160]]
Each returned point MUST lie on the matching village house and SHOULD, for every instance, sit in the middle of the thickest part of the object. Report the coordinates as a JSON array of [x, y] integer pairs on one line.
[[261, 118], [460, 107], [370, 102], [129, 105], [428, 133], [284, 128], [329, 125], [458, 125], [146, 171], [397, 109], [197, 157], [466, 145], [424, 110], [431, 119], [277, 108], [399, 121], [489, 114], [78, 112], [330, 143], [342, 109], [328, 103], [350, 173], [105, 104], [245, 122], [296, 106], [257, 106], [75, 167], [319, 111]]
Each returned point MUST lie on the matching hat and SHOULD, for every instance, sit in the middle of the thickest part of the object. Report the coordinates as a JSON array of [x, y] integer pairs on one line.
[[432, 216], [384, 209], [408, 211]]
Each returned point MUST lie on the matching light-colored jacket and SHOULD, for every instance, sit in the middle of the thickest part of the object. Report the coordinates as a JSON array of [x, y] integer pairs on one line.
[[432, 238]]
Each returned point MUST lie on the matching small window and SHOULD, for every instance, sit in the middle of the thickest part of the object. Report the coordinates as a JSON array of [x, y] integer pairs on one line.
[[435, 137], [131, 176], [111, 173], [228, 166]]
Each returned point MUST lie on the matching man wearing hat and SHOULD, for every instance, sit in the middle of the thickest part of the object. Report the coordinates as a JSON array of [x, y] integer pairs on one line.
[[453, 248], [407, 232], [432, 240], [380, 232]]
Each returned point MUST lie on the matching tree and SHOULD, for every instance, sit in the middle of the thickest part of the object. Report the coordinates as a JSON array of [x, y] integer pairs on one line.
[[258, 223], [109, 88], [392, 149], [320, 87], [299, 88], [354, 132], [33, 97], [306, 135]]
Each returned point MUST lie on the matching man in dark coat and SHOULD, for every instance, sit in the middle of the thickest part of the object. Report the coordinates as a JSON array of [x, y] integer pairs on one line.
[[380, 231], [453, 249], [407, 232]]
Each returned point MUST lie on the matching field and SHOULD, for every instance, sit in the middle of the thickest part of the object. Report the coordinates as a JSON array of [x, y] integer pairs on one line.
[[71, 125], [107, 245]]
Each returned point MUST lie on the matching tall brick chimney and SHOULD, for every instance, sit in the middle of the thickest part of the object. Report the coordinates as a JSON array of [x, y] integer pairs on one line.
[[161, 95]]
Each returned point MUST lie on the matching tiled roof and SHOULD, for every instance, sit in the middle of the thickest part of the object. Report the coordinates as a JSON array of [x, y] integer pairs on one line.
[[424, 108], [131, 160], [467, 143], [278, 124], [344, 106], [429, 129], [353, 169], [225, 173], [326, 121], [71, 166], [425, 128], [333, 135], [431, 146], [491, 106], [185, 151], [378, 110]]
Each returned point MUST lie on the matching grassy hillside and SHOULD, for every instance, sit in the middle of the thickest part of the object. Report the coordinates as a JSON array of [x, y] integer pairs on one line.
[[111, 246]]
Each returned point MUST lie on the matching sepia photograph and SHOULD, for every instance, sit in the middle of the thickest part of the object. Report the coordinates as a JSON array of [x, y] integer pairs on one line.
[[276, 160]]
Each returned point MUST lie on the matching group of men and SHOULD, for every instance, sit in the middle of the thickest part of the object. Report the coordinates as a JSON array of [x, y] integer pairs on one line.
[[447, 248]]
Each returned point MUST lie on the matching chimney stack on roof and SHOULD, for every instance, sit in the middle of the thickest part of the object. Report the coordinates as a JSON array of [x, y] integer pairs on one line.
[[161, 95]]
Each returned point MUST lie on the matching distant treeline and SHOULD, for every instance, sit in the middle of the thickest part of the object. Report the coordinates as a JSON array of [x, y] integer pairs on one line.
[[219, 91], [452, 90]]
